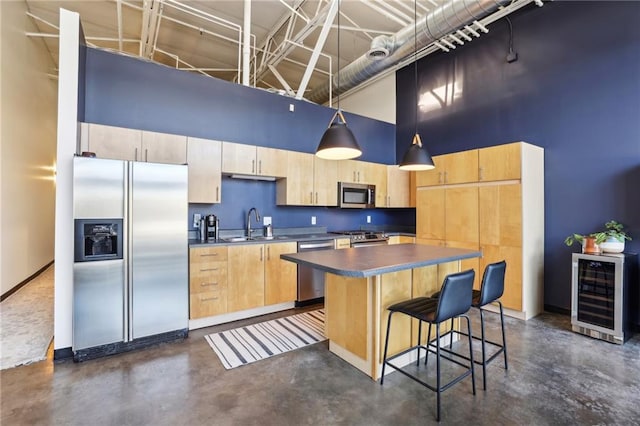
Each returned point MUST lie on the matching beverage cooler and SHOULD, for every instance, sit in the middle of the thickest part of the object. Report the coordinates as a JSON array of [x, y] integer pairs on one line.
[[600, 291]]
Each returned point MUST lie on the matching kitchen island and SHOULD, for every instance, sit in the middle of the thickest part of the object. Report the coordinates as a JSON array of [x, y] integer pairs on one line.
[[362, 282]]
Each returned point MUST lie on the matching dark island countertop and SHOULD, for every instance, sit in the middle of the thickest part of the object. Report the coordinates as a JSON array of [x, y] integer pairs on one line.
[[377, 260]]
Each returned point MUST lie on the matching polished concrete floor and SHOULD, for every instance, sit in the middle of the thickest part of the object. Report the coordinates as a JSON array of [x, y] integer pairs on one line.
[[555, 377]]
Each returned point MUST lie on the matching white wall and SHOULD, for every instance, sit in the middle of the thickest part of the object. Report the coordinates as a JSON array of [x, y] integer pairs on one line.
[[27, 148], [376, 100], [68, 59]]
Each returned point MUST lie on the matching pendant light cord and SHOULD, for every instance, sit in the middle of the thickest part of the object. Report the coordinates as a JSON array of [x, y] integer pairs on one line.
[[415, 63], [338, 60]]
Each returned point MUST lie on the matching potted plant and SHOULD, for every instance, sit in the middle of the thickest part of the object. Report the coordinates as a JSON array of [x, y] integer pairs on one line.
[[610, 240]]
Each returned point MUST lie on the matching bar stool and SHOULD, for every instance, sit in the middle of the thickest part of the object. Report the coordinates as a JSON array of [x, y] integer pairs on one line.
[[491, 291], [454, 302]]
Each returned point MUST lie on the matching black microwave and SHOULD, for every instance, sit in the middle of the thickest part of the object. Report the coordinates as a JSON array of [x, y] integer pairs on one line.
[[356, 195]]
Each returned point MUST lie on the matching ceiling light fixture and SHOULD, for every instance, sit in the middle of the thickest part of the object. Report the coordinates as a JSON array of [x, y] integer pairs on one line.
[[338, 142], [417, 158]]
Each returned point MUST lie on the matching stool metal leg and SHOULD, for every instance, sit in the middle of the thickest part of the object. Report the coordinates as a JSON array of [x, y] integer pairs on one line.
[[426, 357], [438, 390], [504, 340], [451, 334], [473, 371], [386, 345], [418, 344], [484, 354]]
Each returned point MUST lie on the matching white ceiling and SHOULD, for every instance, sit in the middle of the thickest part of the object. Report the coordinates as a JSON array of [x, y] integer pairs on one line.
[[206, 36]]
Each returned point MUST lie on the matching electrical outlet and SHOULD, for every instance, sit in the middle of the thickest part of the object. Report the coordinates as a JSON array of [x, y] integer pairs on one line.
[[196, 220], [368, 219], [266, 220], [292, 107], [313, 220]]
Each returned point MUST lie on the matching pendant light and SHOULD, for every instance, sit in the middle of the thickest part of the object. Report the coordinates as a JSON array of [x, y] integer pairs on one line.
[[417, 157], [338, 142]]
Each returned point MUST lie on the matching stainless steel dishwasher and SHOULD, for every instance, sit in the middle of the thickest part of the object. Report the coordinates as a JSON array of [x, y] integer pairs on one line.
[[310, 280]]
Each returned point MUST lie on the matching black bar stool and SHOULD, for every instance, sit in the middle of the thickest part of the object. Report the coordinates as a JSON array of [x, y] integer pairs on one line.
[[491, 291], [454, 302]]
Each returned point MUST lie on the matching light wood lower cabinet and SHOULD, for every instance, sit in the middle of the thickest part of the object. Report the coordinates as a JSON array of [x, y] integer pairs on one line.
[[245, 276], [280, 276], [207, 281]]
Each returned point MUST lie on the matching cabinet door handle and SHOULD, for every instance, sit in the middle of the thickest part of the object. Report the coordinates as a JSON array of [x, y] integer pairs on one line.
[[209, 299], [354, 176], [261, 255], [316, 198], [209, 269], [445, 176], [217, 193], [481, 173], [208, 284], [260, 166], [135, 155], [311, 197], [253, 166], [146, 154], [268, 253], [208, 254], [358, 176], [439, 177]]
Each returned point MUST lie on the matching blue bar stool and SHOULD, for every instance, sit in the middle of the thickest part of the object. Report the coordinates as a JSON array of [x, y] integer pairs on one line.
[[491, 291], [454, 302]]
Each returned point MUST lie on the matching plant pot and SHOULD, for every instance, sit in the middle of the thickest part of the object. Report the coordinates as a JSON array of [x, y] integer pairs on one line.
[[589, 246], [612, 245]]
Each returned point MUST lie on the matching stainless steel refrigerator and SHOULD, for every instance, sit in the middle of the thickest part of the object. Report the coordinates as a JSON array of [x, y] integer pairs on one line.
[[130, 272]]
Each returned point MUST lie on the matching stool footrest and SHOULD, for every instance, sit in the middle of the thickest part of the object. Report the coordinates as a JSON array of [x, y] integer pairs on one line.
[[422, 382], [479, 362]]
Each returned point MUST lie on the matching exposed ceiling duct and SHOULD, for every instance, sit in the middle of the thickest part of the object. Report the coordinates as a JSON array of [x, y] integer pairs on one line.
[[387, 51]]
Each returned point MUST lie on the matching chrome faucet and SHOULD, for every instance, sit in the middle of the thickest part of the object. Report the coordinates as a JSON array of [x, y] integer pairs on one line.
[[249, 220]]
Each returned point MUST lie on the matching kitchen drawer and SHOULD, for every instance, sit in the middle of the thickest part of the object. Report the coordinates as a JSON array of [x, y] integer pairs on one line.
[[208, 277], [208, 304], [205, 255]]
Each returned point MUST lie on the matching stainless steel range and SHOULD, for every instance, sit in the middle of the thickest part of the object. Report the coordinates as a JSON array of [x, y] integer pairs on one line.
[[365, 238]]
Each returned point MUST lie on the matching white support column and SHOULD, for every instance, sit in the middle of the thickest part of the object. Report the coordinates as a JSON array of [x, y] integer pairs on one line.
[[68, 65], [246, 43], [331, 14]]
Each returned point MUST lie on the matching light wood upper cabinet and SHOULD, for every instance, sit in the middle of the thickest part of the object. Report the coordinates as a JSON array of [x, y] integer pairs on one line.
[[459, 167], [271, 162], [280, 276], [253, 160], [297, 188], [238, 158], [245, 276], [353, 171], [117, 143], [205, 170], [310, 181], [398, 187], [502, 162], [376, 174], [325, 182], [430, 213], [500, 215], [163, 148], [461, 209]]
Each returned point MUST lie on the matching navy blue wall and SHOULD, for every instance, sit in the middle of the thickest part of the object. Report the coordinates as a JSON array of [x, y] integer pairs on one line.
[[128, 92], [574, 90]]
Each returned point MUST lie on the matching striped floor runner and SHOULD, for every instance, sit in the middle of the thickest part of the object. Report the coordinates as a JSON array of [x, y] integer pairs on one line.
[[245, 345]]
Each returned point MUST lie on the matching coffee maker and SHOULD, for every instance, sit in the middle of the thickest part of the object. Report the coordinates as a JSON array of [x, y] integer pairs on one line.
[[211, 226]]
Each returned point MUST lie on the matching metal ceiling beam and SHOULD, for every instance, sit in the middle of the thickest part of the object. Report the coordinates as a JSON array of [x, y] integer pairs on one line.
[[406, 18], [331, 14], [119, 18], [282, 81], [384, 12]]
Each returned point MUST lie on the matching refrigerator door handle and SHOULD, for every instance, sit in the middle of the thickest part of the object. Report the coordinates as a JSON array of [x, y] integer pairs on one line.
[[128, 193]]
